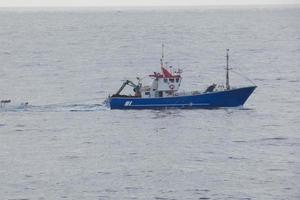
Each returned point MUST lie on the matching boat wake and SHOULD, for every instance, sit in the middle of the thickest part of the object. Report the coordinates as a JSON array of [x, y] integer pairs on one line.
[[60, 107]]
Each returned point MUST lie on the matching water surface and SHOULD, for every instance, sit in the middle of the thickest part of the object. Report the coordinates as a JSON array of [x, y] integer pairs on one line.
[[66, 145]]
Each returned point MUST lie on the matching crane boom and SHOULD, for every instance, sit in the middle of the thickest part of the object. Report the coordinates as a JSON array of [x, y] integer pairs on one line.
[[136, 88]]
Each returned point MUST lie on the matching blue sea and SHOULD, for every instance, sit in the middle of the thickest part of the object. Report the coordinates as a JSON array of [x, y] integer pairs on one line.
[[65, 144]]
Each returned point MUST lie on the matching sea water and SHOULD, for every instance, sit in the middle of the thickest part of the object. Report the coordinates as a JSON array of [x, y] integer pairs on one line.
[[65, 144]]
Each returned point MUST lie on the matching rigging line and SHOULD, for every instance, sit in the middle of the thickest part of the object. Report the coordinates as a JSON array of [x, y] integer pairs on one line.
[[244, 76]]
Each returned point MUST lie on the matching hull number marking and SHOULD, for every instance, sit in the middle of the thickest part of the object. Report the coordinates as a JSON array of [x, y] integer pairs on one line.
[[127, 103]]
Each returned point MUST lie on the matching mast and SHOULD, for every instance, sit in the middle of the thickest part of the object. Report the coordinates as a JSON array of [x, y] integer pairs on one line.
[[162, 56], [227, 70]]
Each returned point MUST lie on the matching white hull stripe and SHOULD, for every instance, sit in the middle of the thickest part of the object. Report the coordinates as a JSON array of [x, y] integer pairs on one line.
[[193, 104]]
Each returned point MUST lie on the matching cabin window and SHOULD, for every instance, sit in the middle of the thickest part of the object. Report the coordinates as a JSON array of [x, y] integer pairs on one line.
[[147, 93], [160, 93], [177, 79], [165, 80], [171, 80]]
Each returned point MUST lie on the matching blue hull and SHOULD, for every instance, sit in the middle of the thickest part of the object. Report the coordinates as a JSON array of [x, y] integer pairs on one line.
[[228, 98]]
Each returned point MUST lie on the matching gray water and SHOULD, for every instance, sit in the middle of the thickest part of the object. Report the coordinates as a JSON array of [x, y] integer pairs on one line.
[[66, 145]]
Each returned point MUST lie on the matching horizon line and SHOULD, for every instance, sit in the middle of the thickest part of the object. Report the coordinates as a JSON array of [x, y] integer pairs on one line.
[[145, 6]]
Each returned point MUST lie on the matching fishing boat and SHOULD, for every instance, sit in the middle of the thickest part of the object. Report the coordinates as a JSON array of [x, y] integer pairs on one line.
[[164, 92]]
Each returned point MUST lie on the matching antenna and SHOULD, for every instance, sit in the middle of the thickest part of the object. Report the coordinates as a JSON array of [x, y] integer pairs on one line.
[[227, 69]]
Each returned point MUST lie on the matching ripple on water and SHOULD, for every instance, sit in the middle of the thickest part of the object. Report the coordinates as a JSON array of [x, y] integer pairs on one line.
[[87, 142], [71, 157], [110, 190], [274, 138], [132, 188], [294, 81], [19, 199], [236, 158], [239, 141], [199, 160], [104, 173], [198, 191], [276, 170], [103, 197], [28, 176], [129, 175], [20, 125]]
